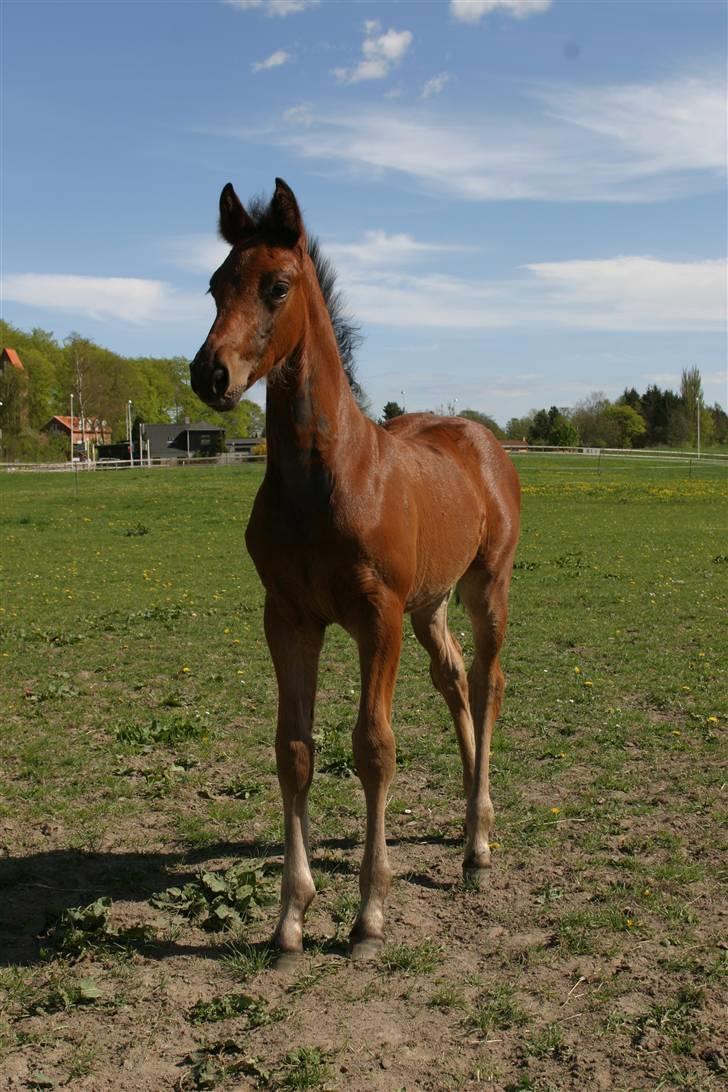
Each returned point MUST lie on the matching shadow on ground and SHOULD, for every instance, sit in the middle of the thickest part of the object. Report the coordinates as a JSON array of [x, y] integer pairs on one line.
[[35, 890]]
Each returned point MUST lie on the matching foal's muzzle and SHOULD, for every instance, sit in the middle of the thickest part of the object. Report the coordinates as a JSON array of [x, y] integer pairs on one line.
[[210, 381]]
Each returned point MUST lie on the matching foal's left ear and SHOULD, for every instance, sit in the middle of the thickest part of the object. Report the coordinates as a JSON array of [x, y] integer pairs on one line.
[[286, 214]]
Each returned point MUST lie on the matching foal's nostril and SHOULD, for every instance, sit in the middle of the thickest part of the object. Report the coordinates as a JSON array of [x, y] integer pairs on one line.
[[219, 381]]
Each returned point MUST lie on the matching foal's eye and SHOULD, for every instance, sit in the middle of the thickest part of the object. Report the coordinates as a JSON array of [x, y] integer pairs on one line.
[[279, 290]]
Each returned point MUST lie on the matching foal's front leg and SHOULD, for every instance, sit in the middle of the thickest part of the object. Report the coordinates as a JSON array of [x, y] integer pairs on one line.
[[379, 641], [295, 647]]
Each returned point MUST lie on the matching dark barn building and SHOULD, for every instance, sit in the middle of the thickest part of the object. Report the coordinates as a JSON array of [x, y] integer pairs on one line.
[[173, 441], [170, 442]]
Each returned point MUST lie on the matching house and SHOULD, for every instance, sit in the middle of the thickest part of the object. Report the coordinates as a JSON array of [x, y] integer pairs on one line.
[[244, 445], [10, 359], [86, 431], [13, 391], [175, 441]]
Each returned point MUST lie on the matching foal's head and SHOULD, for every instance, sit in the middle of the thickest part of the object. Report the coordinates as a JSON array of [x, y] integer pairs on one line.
[[258, 294]]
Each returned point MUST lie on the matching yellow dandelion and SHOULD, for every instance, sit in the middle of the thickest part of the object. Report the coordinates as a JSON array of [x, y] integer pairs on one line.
[[647, 892], [588, 682], [495, 845], [185, 670], [712, 720], [630, 922], [577, 671], [555, 811]]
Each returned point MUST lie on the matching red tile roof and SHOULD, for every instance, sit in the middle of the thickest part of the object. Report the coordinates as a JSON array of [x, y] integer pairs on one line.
[[12, 357], [94, 429]]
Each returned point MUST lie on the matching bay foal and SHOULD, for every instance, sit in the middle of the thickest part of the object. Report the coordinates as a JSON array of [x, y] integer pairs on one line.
[[356, 524]]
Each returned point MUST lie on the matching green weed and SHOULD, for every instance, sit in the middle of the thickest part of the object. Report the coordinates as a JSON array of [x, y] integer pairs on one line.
[[218, 900], [246, 960], [497, 1010], [420, 958], [231, 1005], [307, 1067]]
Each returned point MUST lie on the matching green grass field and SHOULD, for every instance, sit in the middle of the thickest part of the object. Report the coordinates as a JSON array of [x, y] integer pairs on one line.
[[136, 737]]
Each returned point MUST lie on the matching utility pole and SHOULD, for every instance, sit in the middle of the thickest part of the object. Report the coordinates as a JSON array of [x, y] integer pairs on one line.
[[129, 435]]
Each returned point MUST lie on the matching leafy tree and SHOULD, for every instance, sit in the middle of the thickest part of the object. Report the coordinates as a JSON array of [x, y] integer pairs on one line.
[[392, 410], [483, 419], [538, 431], [691, 392], [720, 424], [563, 432], [588, 417], [631, 397], [518, 427], [624, 424], [658, 407]]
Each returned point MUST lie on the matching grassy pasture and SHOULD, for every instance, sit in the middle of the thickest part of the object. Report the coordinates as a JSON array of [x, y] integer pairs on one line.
[[137, 770]]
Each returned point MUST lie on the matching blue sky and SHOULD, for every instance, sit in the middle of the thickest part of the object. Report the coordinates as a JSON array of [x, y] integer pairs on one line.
[[525, 199]]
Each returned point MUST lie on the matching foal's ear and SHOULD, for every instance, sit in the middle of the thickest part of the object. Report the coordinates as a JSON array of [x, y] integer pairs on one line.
[[235, 224], [286, 214]]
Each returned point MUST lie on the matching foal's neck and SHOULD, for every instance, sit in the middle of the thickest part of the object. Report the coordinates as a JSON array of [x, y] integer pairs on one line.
[[312, 419]]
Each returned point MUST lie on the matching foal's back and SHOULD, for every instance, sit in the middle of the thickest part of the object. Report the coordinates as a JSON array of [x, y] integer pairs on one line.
[[457, 491]]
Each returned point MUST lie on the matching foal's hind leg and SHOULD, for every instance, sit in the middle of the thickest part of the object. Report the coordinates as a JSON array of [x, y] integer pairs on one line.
[[295, 646], [486, 600], [448, 675]]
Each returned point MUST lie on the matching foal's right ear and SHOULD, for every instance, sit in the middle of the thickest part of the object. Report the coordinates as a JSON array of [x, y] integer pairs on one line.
[[235, 224]]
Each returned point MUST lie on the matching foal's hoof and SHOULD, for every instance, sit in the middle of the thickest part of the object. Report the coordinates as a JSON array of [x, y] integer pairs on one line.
[[475, 875], [287, 962], [368, 948]]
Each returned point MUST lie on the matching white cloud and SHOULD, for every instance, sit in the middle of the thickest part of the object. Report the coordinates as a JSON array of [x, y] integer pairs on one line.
[[381, 249], [196, 253], [280, 8], [622, 143], [435, 86], [636, 293], [132, 299], [381, 52], [676, 124], [630, 293], [274, 61], [472, 11]]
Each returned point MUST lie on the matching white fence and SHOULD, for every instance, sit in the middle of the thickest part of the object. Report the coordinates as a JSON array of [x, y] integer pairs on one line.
[[663, 458], [644, 455], [124, 464]]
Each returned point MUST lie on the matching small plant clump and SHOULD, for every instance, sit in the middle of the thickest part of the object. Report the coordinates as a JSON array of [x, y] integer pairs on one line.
[[167, 732], [307, 1067], [411, 958], [497, 1010], [220, 1061], [228, 1006], [218, 900], [82, 929]]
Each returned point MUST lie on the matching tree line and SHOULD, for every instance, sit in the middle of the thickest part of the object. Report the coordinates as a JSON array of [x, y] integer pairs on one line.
[[656, 418], [102, 384]]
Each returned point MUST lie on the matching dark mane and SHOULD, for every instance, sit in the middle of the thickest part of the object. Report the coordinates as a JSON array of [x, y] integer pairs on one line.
[[347, 332]]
